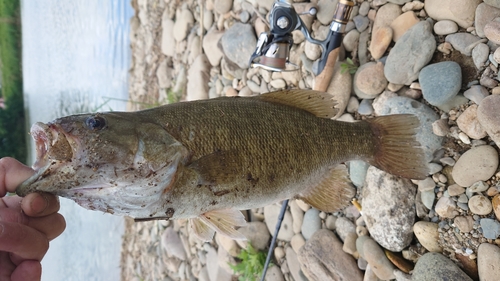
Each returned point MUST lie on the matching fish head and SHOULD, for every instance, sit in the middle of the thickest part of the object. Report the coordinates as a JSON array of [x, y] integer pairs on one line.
[[114, 162]]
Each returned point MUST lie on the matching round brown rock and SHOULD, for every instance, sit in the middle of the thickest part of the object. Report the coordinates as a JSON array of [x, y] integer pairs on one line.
[[478, 163]]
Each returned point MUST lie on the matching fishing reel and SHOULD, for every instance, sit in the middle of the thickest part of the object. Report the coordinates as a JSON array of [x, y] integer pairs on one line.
[[273, 47]]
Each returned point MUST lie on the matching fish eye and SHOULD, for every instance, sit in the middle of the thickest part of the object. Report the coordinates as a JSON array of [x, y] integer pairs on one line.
[[95, 123]]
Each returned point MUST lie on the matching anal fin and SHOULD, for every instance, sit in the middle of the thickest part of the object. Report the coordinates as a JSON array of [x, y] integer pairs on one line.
[[333, 192], [222, 221]]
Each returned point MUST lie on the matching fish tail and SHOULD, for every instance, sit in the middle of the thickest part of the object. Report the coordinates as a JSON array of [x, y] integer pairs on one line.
[[397, 150]]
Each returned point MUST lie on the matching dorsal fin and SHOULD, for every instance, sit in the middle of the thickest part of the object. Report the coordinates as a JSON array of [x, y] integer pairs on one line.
[[333, 192], [222, 221], [318, 103]]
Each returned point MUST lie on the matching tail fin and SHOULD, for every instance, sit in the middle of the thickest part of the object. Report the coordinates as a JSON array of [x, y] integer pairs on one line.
[[397, 150]]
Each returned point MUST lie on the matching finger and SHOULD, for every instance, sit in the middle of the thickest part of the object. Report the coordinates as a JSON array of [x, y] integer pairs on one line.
[[40, 204], [12, 174], [27, 270], [7, 266], [24, 241], [52, 225]]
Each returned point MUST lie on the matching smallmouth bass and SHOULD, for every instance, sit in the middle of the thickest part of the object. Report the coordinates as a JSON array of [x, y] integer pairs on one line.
[[207, 160]]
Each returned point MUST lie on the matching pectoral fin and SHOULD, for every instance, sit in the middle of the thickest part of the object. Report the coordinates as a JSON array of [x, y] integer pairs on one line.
[[222, 221], [333, 192]]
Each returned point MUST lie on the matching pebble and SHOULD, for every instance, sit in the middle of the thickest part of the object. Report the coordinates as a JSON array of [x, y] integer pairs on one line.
[[476, 93], [229, 244], [210, 46], [440, 82], [297, 242], [478, 187], [311, 223], [480, 55], [375, 256], [361, 22], [464, 224], [496, 206], [455, 190], [446, 207], [448, 10], [183, 23], [402, 23], [344, 226], [198, 77], [274, 273], [330, 222], [488, 261], [492, 31], [322, 257], [222, 6], [167, 37], [293, 264], [445, 27], [402, 105], [428, 198], [238, 43], [381, 39], [447, 161], [257, 235], [350, 245], [440, 127], [491, 228], [351, 40], [389, 211], [427, 234], [484, 14], [431, 265], [480, 205], [369, 80], [297, 215], [403, 64], [278, 83], [271, 213], [426, 184], [352, 105], [365, 107], [487, 114], [469, 124], [464, 42], [385, 15], [172, 244], [478, 163]]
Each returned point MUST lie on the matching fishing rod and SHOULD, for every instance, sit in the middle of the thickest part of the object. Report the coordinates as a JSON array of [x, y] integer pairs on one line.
[[273, 47]]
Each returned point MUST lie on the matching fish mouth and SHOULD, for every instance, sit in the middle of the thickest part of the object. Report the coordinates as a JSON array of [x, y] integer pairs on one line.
[[52, 146]]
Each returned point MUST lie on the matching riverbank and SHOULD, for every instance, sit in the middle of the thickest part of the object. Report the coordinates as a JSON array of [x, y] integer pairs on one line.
[[413, 57]]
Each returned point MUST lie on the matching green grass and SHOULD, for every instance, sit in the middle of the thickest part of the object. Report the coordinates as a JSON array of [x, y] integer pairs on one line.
[[12, 125], [251, 264]]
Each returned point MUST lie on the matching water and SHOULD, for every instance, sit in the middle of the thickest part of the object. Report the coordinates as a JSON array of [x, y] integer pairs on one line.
[[76, 56]]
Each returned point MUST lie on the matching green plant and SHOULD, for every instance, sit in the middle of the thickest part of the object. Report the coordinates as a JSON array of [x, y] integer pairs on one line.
[[251, 265], [348, 66]]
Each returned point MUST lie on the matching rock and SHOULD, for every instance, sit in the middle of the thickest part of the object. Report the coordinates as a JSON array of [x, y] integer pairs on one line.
[[322, 258], [388, 209], [480, 205], [351, 40], [478, 163], [478, 187], [464, 42], [428, 198], [229, 244], [445, 27], [369, 80], [311, 224], [496, 206], [403, 64], [469, 124], [385, 16], [377, 260], [381, 39], [491, 228], [464, 224], [274, 273], [461, 11], [440, 127], [326, 10], [357, 172], [340, 89], [492, 31], [488, 261], [440, 82], [476, 93], [426, 184], [350, 244], [426, 116], [330, 222], [344, 226], [222, 6], [211, 48], [427, 234], [431, 265], [271, 213], [455, 190], [361, 22], [480, 55], [365, 107], [293, 264], [402, 23], [484, 14], [494, 3], [446, 207], [487, 114], [184, 21], [278, 83], [198, 77], [167, 36], [257, 234], [238, 44], [171, 243], [297, 216], [297, 242]]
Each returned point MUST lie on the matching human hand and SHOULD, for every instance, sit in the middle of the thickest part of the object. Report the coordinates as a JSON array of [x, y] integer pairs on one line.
[[26, 224]]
